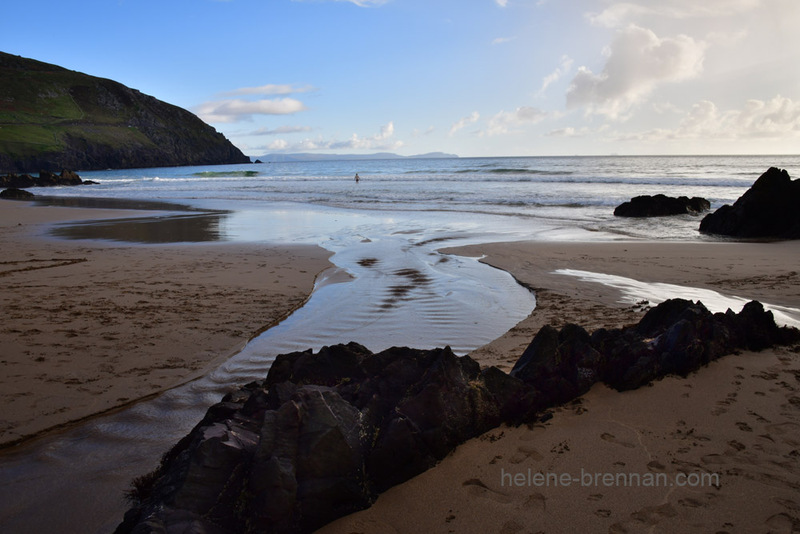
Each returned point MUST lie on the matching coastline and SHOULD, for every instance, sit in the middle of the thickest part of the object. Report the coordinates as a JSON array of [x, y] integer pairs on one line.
[[736, 418], [92, 326], [464, 493]]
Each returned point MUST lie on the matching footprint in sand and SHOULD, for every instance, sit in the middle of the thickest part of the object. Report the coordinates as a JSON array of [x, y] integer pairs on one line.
[[653, 515], [783, 429], [523, 453], [611, 438], [744, 427], [780, 523], [511, 527], [602, 512], [477, 488], [536, 501], [736, 445], [788, 504], [714, 459], [656, 466], [690, 503]]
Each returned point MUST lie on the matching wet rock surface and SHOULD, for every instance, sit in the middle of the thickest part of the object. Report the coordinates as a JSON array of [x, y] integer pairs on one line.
[[326, 432], [767, 210], [45, 179], [661, 206]]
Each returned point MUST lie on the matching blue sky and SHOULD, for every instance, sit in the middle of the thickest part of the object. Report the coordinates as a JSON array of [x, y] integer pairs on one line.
[[470, 77]]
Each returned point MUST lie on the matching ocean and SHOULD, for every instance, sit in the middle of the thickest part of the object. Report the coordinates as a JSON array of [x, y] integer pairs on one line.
[[552, 197]]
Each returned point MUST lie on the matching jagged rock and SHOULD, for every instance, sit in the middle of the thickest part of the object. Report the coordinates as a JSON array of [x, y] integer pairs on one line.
[[16, 194], [325, 433], [45, 179], [767, 210], [661, 205], [17, 181], [559, 364]]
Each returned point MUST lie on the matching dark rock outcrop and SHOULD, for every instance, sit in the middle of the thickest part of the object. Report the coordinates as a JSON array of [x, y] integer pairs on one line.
[[661, 205], [55, 118], [769, 209], [325, 433], [45, 179], [16, 194]]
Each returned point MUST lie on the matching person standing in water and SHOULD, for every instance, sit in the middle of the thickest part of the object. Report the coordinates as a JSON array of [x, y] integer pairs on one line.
[[357, 178]]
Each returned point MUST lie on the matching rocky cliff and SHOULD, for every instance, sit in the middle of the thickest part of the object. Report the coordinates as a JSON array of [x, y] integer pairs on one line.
[[52, 118]]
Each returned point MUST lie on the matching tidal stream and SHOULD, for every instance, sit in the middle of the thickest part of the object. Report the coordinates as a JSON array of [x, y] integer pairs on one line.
[[389, 287]]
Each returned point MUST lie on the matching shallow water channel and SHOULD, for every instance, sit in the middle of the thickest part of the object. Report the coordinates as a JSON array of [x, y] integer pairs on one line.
[[390, 287]]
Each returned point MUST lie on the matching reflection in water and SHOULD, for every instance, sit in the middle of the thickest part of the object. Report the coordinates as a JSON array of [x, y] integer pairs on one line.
[[181, 224], [111, 203], [194, 228]]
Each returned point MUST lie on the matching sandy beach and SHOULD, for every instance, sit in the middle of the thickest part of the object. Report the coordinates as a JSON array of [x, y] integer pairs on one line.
[[715, 452], [89, 326]]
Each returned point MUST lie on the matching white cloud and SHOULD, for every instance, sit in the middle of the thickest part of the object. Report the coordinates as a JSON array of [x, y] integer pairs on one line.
[[360, 3], [502, 40], [278, 144], [569, 131], [464, 121], [383, 140], [280, 130], [620, 13], [777, 118], [501, 3], [638, 61], [237, 110], [561, 70], [510, 121], [268, 90], [379, 141]]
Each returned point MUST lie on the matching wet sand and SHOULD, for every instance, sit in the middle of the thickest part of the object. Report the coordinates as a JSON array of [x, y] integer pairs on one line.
[[715, 452], [89, 326]]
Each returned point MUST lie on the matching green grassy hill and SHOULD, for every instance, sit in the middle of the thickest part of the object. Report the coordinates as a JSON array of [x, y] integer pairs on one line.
[[53, 118]]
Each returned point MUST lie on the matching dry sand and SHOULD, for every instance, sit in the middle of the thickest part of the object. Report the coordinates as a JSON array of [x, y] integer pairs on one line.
[[715, 452], [89, 326]]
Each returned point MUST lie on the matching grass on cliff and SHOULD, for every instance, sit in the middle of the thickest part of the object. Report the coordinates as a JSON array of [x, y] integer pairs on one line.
[[42, 105]]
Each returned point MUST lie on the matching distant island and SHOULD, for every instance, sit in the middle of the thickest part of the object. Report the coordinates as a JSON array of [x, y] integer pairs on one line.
[[52, 118], [306, 156]]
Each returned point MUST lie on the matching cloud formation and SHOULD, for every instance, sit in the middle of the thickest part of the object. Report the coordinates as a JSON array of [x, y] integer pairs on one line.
[[359, 3], [268, 90], [237, 110], [280, 130], [380, 141], [638, 61], [777, 117], [464, 121], [383, 140], [510, 121], [618, 14], [561, 70]]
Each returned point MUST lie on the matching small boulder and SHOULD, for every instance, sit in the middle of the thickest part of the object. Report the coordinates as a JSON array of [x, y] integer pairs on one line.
[[16, 194], [661, 205]]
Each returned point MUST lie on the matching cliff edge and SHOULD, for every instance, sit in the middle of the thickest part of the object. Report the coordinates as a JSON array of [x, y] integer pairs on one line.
[[53, 118]]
